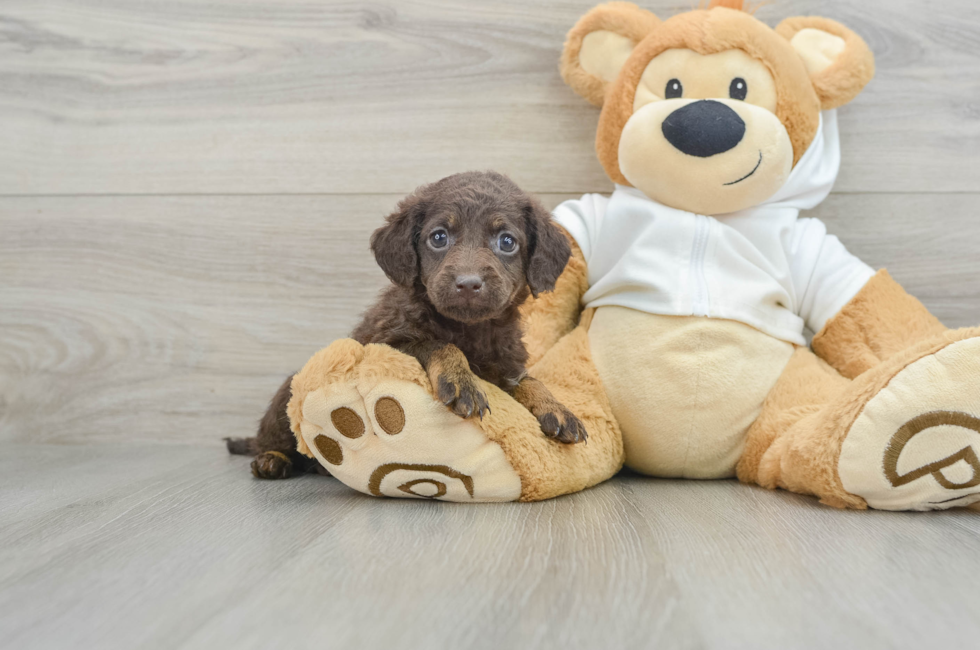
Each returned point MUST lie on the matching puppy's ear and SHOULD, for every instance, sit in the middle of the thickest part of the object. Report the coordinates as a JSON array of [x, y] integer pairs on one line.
[[549, 249], [394, 244]]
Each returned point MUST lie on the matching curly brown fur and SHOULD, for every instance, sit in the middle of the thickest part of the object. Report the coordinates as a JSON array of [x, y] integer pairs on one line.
[[463, 255], [455, 384], [441, 236]]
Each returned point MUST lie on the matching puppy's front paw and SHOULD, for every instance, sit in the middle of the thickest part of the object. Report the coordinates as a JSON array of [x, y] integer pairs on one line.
[[556, 421], [560, 424], [272, 465], [460, 391]]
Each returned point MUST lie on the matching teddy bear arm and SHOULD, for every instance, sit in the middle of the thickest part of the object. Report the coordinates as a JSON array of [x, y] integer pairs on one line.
[[552, 315]]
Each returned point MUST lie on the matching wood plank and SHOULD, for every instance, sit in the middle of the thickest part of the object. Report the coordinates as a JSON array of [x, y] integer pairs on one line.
[[248, 96], [199, 554], [178, 547], [926, 241], [794, 573], [175, 318], [171, 318]]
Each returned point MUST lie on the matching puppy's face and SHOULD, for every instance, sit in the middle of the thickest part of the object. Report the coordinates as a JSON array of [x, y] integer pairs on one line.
[[471, 259], [475, 243]]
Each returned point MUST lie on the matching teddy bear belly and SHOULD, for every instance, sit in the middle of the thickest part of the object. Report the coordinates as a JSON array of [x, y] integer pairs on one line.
[[684, 389]]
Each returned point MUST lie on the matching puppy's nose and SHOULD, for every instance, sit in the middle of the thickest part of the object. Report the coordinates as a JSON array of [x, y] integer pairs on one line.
[[468, 285], [705, 128]]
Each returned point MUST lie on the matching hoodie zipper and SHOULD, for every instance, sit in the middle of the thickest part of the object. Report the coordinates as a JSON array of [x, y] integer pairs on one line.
[[700, 303]]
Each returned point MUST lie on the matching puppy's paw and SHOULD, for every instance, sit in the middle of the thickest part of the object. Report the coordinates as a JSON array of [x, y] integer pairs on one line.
[[560, 424], [272, 465], [460, 391], [556, 421]]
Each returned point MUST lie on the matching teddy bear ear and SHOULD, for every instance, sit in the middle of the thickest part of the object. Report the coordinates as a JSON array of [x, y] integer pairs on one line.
[[599, 44], [840, 63]]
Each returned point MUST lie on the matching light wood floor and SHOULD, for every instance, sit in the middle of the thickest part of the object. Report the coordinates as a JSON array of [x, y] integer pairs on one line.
[[186, 192]]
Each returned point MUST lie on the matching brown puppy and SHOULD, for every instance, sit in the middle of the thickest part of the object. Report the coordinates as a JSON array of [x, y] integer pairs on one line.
[[463, 254]]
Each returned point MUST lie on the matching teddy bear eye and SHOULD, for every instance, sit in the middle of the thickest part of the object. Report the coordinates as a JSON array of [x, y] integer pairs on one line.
[[739, 89], [674, 89]]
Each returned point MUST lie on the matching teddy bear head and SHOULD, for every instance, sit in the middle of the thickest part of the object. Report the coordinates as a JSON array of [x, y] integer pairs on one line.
[[710, 110]]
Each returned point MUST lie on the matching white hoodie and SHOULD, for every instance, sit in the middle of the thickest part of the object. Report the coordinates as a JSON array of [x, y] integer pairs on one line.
[[763, 266]]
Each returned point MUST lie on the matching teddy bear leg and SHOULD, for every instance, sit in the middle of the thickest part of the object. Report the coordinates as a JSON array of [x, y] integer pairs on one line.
[[368, 414], [881, 321], [806, 390], [550, 468], [903, 435]]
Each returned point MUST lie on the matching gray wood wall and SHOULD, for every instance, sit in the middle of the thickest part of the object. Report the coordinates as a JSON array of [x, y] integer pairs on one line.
[[187, 187]]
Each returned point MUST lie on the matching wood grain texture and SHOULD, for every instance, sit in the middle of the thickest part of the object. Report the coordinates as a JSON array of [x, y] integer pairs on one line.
[[795, 574], [186, 193], [171, 318], [175, 318], [335, 96], [150, 547]]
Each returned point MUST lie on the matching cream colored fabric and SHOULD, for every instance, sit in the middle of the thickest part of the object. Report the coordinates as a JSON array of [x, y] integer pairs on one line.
[[941, 388], [604, 53], [817, 48], [366, 412], [738, 179], [462, 465], [684, 389]]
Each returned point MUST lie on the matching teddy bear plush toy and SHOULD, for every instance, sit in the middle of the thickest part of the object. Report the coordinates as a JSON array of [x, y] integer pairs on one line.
[[676, 332]]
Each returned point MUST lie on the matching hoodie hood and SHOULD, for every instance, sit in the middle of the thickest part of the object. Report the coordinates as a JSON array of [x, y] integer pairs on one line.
[[814, 175]]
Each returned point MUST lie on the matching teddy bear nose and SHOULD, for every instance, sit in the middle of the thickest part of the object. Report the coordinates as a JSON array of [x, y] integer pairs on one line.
[[704, 128], [469, 285]]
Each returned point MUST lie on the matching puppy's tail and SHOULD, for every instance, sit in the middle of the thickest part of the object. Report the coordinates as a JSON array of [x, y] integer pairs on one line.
[[242, 446]]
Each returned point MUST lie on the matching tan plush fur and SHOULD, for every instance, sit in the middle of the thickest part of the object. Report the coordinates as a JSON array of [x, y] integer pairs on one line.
[[738, 5], [795, 442], [879, 322], [710, 32], [549, 469], [801, 396], [850, 72], [623, 18], [723, 27], [804, 436], [552, 315]]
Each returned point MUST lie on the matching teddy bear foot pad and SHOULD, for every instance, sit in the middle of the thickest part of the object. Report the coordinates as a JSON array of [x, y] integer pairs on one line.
[[389, 437], [916, 444]]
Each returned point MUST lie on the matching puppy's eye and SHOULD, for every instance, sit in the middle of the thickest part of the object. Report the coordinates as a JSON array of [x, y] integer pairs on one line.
[[739, 89], [674, 89], [438, 238], [506, 243]]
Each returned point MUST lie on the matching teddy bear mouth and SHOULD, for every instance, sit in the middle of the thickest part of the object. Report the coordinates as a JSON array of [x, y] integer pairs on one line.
[[754, 170]]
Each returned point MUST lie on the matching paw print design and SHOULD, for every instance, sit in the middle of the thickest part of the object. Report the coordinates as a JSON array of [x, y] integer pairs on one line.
[[916, 444], [389, 437]]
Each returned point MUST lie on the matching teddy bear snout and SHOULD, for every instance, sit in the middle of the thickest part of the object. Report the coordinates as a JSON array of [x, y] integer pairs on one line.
[[704, 128]]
